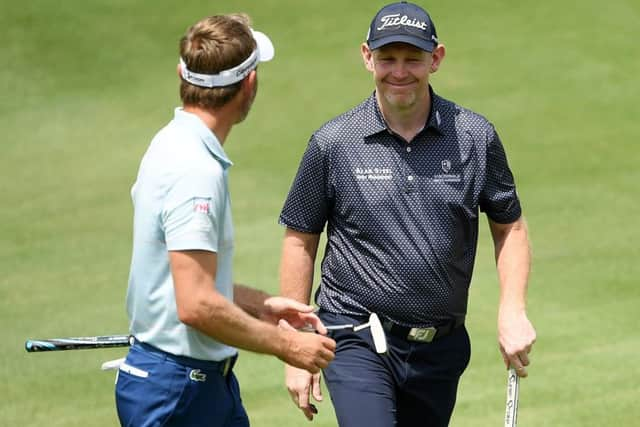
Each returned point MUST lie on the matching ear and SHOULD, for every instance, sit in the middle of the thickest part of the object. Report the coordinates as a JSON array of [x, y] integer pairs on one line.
[[437, 56], [179, 69], [367, 56], [249, 82]]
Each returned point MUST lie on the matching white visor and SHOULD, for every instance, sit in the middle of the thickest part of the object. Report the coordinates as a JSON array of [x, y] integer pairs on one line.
[[264, 52]]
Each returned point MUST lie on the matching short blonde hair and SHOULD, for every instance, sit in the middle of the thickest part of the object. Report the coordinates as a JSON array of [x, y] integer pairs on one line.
[[211, 45]]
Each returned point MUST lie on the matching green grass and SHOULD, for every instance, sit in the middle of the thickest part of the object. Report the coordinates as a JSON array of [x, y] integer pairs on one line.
[[85, 85]]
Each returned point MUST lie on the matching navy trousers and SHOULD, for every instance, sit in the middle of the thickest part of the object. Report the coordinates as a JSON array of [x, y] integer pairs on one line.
[[413, 385], [155, 388]]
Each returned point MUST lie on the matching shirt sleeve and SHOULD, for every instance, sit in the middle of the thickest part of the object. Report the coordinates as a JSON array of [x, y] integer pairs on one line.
[[193, 211], [498, 198], [306, 206]]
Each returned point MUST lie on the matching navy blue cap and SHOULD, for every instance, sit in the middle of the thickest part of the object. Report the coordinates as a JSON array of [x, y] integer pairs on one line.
[[405, 23]]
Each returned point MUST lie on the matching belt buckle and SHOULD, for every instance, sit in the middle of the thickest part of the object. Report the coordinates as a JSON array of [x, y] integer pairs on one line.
[[422, 334]]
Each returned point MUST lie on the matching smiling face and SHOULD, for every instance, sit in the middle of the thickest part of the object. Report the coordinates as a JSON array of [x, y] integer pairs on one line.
[[401, 73]]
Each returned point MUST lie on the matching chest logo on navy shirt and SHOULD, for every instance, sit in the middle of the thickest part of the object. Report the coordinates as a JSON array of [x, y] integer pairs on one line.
[[373, 174], [445, 165]]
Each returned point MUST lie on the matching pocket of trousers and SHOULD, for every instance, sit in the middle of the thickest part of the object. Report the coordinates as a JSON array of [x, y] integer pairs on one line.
[[132, 370]]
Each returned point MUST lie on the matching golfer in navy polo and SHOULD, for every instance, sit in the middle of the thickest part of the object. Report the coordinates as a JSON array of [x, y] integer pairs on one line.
[[399, 183]]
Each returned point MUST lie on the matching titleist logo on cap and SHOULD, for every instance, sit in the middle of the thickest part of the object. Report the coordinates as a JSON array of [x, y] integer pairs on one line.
[[395, 20]]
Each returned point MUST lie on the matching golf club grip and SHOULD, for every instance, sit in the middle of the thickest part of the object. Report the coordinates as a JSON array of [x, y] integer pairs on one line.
[[77, 343], [511, 411]]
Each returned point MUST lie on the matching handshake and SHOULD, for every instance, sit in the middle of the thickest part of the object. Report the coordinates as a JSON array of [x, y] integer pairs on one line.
[[307, 351], [313, 352]]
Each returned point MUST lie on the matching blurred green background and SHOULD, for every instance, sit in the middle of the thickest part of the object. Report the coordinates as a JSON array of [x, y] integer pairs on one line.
[[84, 85]]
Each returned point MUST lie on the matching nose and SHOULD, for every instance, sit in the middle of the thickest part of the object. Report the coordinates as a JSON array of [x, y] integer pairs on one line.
[[399, 70]]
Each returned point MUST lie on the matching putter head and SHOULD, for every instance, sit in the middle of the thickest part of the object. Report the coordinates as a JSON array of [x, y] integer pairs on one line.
[[377, 333]]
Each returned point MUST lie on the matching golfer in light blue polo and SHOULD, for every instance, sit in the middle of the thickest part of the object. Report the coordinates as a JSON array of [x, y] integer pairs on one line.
[[186, 315]]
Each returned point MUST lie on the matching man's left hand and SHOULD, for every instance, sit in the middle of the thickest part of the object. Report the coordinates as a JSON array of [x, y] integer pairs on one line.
[[297, 314], [516, 336]]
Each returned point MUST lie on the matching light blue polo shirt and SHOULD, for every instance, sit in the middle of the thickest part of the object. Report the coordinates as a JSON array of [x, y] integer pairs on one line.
[[181, 202]]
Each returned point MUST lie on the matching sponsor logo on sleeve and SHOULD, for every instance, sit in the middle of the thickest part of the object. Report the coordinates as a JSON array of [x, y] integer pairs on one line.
[[202, 205]]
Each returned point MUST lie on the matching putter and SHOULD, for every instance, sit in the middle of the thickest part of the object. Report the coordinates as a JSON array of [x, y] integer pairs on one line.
[[77, 343], [513, 388], [374, 325]]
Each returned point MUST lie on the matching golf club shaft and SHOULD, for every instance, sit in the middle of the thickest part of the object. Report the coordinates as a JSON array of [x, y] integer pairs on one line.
[[77, 343], [329, 328], [339, 327]]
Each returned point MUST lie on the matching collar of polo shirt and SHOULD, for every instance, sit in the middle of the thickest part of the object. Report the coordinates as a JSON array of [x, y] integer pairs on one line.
[[374, 121]]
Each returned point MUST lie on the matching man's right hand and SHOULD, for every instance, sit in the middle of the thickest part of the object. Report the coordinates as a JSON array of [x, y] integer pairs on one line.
[[302, 384], [306, 350]]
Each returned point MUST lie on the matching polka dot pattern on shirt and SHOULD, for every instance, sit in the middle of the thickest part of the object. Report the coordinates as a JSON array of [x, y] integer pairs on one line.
[[401, 217]]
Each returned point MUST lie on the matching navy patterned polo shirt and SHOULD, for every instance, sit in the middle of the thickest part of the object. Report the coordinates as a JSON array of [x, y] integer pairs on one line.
[[402, 218]]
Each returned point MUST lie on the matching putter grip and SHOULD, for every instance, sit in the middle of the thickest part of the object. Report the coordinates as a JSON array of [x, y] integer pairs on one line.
[[511, 410]]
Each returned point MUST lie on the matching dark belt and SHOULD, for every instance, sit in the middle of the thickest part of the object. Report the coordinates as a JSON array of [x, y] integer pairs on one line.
[[427, 334], [222, 366]]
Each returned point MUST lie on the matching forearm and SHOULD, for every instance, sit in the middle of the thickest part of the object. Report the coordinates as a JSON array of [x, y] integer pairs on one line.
[[513, 260], [250, 300], [202, 307], [228, 323], [516, 334], [296, 279], [297, 265]]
